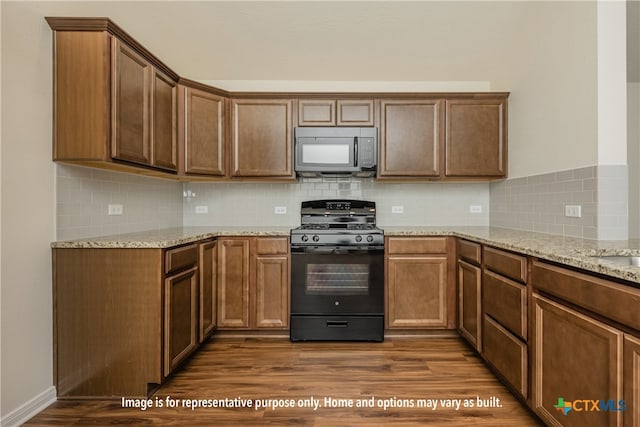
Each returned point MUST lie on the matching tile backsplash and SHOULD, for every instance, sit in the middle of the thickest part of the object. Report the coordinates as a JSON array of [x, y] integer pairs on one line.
[[253, 203], [537, 203], [84, 194]]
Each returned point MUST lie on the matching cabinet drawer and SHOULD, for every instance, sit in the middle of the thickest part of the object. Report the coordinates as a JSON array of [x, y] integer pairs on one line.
[[272, 246], [316, 112], [180, 258], [506, 353], [511, 265], [610, 299], [505, 301], [416, 245], [469, 251]]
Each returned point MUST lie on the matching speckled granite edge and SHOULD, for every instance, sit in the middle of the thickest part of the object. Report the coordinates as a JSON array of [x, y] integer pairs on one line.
[[575, 252], [166, 238]]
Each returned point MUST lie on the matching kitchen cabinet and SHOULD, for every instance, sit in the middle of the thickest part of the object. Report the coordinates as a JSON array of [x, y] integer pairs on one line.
[[418, 294], [254, 283], [590, 319], [631, 375], [124, 318], [475, 137], [504, 302], [203, 132], [272, 283], [332, 112], [410, 138], [576, 357], [233, 285], [144, 111], [261, 138], [114, 102], [208, 301], [180, 318], [470, 292]]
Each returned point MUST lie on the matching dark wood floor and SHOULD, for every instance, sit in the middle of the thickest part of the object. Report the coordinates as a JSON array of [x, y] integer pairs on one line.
[[398, 372]]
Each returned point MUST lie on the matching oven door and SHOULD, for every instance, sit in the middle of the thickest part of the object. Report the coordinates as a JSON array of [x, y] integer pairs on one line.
[[337, 280]]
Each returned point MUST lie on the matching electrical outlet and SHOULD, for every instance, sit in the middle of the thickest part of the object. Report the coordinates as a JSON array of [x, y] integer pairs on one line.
[[573, 211], [475, 208], [202, 209], [397, 209], [115, 210], [279, 210]]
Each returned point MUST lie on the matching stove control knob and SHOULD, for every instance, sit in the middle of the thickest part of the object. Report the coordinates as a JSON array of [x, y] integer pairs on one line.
[[369, 239], [358, 239], [304, 238], [316, 238]]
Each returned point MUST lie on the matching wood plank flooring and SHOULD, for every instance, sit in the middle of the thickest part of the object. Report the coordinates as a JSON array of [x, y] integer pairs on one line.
[[398, 372]]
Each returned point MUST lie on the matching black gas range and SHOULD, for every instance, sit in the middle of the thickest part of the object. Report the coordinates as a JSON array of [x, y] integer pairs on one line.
[[337, 272]]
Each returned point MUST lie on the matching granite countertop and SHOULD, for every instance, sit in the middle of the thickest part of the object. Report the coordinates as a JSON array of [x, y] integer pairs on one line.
[[167, 237], [570, 251]]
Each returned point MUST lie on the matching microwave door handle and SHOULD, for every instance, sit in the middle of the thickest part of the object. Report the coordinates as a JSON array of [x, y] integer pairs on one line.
[[355, 151]]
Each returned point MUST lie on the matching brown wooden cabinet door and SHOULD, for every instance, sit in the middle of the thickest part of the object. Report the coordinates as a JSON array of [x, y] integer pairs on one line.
[[316, 112], [469, 303], [272, 292], [575, 357], [180, 318], [233, 283], [204, 133], [631, 375], [476, 135], [261, 138], [355, 112], [208, 288], [164, 148], [410, 138], [416, 292], [130, 103]]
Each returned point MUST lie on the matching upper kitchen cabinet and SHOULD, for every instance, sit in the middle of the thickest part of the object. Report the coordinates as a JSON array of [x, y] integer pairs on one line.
[[202, 129], [332, 112], [476, 137], [261, 138], [114, 102], [410, 137]]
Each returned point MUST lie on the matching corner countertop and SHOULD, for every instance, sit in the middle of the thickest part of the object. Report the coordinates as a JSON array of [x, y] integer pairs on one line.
[[570, 251]]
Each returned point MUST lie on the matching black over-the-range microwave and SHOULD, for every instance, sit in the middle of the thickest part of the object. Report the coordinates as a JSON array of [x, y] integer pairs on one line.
[[339, 151]]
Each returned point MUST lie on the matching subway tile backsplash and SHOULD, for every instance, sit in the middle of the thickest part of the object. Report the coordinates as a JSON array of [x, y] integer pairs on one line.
[[252, 203], [537, 203], [84, 194], [534, 203]]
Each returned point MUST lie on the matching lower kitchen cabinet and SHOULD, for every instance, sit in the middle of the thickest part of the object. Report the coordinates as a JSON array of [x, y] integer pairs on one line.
[[470, 292], [577, 359], [631, 376], [180, 318], [208, 262], [253, 287], [417, 291]]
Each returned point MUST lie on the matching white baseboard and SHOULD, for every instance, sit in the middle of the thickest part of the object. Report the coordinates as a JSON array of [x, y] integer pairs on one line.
[[29, 408]]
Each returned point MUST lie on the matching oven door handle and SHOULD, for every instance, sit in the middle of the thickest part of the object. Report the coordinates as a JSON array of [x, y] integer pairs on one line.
[[338, 250]]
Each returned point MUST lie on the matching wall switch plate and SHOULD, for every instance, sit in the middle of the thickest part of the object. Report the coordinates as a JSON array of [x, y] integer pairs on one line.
[[115, 210], [279, 210], [202, 209], [475, 208], [573, 211], [397, 209]]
